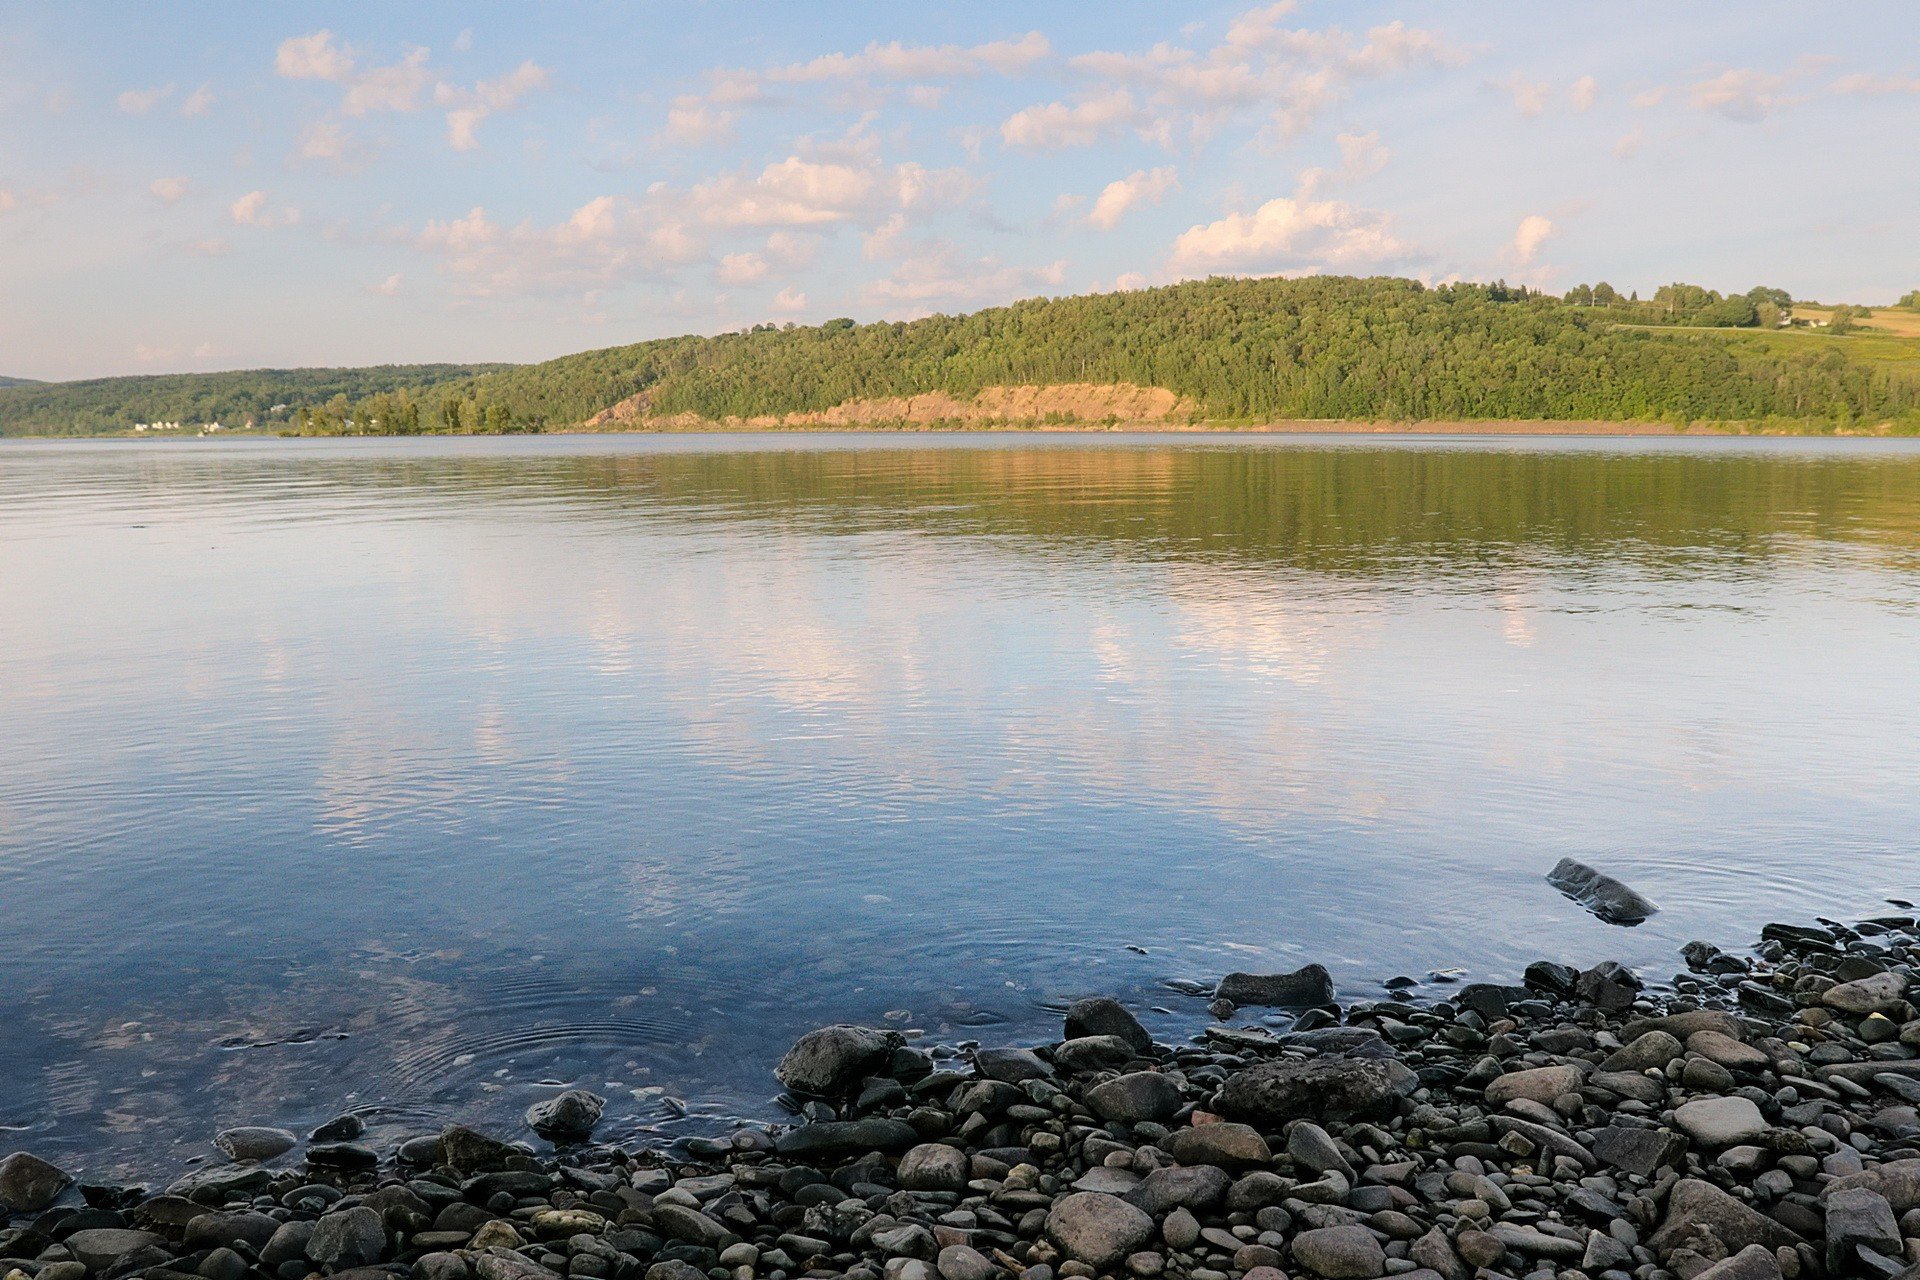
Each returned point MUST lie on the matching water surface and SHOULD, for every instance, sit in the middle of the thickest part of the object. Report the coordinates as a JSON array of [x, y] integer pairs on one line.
[[420, 777]]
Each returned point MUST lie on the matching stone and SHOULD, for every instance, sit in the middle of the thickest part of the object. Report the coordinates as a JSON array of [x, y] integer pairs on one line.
[[1606, 897], [832, 1138], [1898, 1181], [1310, 1145], [963, 1262], [1137, 1096], [1103, 1016], [833, 1059], [1321, 1089], [349, 1238], [229, 1227], [99, 1249], [1199, 1187], [342, 1128], [1341, 1253], [1681, 1026], [1436, 1253], [1010, 1066], [1638, 1151], [1608, 985], [1653, 1049], [566, 1117], [1728, 1052], [678, 1222], [1536, 1084], [1705, 1219], [287, 1244], [932, 1166], [1226, 1146], [1876, 993], [1097, 1229], [1181, 1230], [1092, 1053], [1859, 1217], [506, 1265], [1755, 1262], [255, 1142], [1720, 1122], [1306, 987], [472, 1151], [1479, 1248], [29, 1184]]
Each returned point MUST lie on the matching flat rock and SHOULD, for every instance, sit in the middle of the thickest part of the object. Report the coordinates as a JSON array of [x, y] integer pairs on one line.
[[1638, 1151], [1097, 1229], [1720, 1122], [1011, 1066], [1599, 893], [1684, 1024], [100, 1248], [255, 1142], [847, 1137], [1898, 1181], [1322, 1089], [1651, 1049], [1702, 1217], [1104, 1016], [1140, 1095], [1227, 1146], [1307, 987], [1718, 1047], [1755, 1262], [1876, 993], [29, 1184], [1536, 1084]]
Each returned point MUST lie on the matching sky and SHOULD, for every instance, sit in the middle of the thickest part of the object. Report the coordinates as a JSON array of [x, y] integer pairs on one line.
[[237, 185]]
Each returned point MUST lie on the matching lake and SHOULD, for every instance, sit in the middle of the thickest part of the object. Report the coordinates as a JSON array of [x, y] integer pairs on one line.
[[415, 777]]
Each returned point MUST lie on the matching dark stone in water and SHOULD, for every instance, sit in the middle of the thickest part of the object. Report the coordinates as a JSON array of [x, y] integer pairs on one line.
[[29, 1184], [1306, 987], [1102, 1016], [836, 1138], [1601, 894]]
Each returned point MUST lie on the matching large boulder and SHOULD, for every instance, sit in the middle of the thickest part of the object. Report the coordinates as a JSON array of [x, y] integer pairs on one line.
[[833, 1139], [1140, 1095], [1341, 1253], [1896, 1180], [99, 1248], [347, 1239], [29, 1184], [1104, 1016], [1228, 1146], [1705, 1219], [834, 1059], [1307, 987], [1720, 1122], [1601, 894], [1876, 993], [1326, 1088], [1535, 1084], [1097, 1229]]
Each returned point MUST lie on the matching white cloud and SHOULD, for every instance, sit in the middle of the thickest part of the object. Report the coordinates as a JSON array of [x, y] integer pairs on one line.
[[1862, 84], [250, 210], [313, 57], [1741, 94], [1529, 96], [137, 102], [607, 239], [386, 288], [941, 273], [789, 300], [8, 201], [1287, 234], [198, 103], [897, 61], [463, 42], [1629, 143], [467, 108], [741, 268], [1148, 185], [692, 122], [1528, 237], [1056, 124], [391, 88], [791, 193], [168, 189], [1582, 93], [323, 140], [1361, 155]]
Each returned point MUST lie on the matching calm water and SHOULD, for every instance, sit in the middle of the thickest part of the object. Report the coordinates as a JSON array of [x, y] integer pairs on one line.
[[416, 777]]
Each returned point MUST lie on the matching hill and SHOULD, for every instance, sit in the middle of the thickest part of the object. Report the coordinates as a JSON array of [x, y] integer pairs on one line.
[[1220, 351], [106, 405], [17, 382]]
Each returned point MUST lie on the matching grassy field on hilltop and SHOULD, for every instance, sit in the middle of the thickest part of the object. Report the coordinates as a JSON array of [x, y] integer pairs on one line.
[[1231, 351]]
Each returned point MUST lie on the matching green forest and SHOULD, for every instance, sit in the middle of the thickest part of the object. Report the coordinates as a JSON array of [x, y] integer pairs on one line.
[[1243, 351]]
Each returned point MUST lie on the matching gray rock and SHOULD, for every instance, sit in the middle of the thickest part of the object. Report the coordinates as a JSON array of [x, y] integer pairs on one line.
[[1639, 1151], [1720, 1122], [1228, 1146], [1140, 1095], [1682, 1025], [229, 1227], [1097, 1229], [1435, 1252], [441, 1266], [1601, 894], [1092, 1053], [834, 1059], [29, 1184], [963, 1262], [1307, 987], [1102, 1016], [1859, 1217], [1654, 1049], [255, 1142], [566, 1117], [1199, 1187], [287, 1244], [102, 1247], [1705, 1219], [223, 1264], [1181, 1229], [677, 1222], [472, 1151], [1536, 1084], [1010, 1066], [1896, 1180], [932, 1166], [349, 1238], [1323, 1089], [1718, 1047], [1755, 1262], [1315, 1148], [1876, 993], [847, 1137], [1341, 1253], [504, 1264], [1115, 1182]]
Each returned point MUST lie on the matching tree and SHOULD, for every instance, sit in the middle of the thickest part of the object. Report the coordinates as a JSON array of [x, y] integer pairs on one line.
[[1911, 301]]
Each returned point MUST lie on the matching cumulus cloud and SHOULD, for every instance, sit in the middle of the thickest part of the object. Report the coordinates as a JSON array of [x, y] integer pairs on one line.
[[317, 56], [138, 102], [1865, 85], [607, 239], [323, 140], [8, 201], [789, 300], [741, 268], [168, 189], [198, 103], [1528, 237], [250, 210], [940, 273], [1742, 94], [1582, 93], [1080, 124], [467, 108], [386, 288], [397, 87], [897, 61], [1142, 185], [692, 122], [1529, 96], [1288, 233]]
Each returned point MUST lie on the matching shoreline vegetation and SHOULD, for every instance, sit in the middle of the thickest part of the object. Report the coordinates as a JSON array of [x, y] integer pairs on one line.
[[1318, 353], [1753, 1119]]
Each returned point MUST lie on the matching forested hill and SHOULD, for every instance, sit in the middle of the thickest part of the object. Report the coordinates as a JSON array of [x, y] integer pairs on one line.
[[101, 405], [1231, 351]]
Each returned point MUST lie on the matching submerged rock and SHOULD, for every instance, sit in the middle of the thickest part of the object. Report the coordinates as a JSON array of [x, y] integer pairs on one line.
[[566, 1117], [1601, 894], [1306, 987], [832, 1058]]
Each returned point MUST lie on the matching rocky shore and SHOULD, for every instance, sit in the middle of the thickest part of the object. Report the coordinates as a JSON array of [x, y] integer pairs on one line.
[[1754, 1118]]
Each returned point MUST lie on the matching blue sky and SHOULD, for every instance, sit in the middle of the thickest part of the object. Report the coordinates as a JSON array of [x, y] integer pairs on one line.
[[231, 185]]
